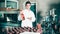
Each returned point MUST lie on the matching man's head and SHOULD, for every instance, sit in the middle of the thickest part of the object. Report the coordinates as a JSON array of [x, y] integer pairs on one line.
[[28, 4]]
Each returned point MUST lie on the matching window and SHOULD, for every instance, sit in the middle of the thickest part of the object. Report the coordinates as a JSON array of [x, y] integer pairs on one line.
[[11, 4], [2, 3]]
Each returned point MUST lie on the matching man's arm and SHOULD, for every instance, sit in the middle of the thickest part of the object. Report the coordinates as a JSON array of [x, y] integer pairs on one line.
[[32, 18], [21, 16]]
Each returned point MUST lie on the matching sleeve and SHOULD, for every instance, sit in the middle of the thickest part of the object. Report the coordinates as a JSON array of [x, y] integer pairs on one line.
[[19, 18], [20, 15], [33, 17]]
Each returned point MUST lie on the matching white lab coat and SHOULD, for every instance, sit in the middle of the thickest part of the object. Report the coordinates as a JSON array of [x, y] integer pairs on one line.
[[27, 22]]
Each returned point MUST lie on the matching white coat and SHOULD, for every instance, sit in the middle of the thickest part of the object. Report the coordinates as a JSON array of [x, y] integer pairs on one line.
[[27, 22]]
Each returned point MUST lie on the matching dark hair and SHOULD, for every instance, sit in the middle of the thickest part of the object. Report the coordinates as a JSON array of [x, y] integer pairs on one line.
[[28, 2]]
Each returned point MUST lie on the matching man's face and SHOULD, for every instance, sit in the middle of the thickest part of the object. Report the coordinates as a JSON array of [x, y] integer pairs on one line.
[[28, 6]]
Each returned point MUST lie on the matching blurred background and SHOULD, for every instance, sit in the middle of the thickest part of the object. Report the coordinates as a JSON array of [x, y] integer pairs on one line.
[[47, 13], [9, 11]]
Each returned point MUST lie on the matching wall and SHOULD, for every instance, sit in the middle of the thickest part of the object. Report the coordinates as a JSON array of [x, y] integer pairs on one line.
[[21, 3]]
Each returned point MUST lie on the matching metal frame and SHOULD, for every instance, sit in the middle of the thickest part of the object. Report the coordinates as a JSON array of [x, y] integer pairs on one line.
[[11, 0]]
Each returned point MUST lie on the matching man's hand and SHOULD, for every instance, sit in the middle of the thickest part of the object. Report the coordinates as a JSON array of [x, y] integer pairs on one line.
[[22, 15], [30, 18]]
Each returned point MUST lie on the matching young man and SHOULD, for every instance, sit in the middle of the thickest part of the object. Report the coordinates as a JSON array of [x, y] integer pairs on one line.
[[27, 16]]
